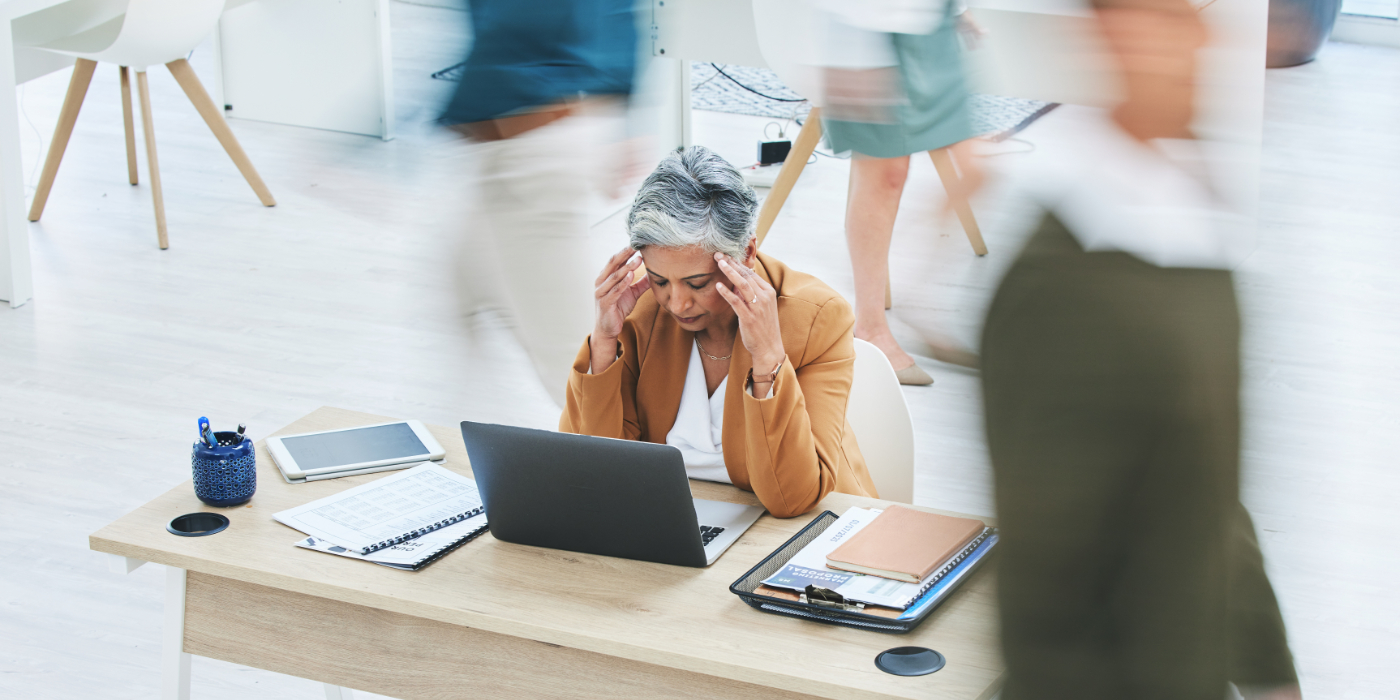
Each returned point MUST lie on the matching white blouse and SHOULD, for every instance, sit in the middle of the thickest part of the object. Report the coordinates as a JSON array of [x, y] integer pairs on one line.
[[699, 426], [1162, 203]]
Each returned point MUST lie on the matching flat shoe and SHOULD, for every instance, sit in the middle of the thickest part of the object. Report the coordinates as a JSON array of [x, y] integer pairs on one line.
[[913, 376]]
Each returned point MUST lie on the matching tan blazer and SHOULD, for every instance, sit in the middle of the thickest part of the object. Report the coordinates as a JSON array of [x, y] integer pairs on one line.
[[792, 448]]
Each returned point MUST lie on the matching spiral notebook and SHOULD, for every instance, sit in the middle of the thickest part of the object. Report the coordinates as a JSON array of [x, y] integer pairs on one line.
[[809, 567], [415, 553], [388, 511]]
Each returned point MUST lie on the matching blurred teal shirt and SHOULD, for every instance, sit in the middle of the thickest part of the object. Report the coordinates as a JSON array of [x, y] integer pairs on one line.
[[532, 53]]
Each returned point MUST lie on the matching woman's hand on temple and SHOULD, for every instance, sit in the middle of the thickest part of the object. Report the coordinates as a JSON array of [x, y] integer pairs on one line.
[[615, 295], [755, 302]]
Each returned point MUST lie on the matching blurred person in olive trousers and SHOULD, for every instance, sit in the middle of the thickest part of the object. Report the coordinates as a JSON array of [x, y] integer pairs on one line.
[[1110, 370], [543, 93]]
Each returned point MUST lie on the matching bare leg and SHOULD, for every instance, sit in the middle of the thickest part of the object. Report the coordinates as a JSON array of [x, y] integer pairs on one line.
[[961, 183], [872, 203], [957, 197]]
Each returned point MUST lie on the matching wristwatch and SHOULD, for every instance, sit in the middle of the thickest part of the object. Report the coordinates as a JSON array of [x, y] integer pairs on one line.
[[772, 376]]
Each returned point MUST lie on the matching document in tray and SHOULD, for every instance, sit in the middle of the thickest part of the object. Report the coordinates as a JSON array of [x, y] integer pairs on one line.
[[388, 511], [413, 554], [933, 596], [809, 567]]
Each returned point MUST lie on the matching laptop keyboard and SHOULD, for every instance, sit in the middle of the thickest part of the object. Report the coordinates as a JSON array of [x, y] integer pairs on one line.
[[708, 534]]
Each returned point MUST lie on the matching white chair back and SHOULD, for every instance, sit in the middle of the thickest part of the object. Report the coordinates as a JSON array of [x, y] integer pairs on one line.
[[884, 429], [153, 32]]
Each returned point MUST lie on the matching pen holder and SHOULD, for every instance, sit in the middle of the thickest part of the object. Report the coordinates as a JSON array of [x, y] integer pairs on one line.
[[225, 475]]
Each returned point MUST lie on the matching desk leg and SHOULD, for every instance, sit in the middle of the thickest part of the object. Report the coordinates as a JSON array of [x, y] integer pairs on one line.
[[335, 692], [665, 88], [16, 275], [174, 662], [123, 565]]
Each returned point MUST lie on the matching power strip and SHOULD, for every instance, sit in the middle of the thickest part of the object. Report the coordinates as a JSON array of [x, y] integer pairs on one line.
[[761, 175]]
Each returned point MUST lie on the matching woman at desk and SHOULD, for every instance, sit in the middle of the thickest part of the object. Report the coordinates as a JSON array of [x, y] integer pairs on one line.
[[723, 352]]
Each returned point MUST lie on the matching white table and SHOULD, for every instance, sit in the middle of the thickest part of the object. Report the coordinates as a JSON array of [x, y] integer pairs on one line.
[[317, 63], [16, 278], [325, 64]]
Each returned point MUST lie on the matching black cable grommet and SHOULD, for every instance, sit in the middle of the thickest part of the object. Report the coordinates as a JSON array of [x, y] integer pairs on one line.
[[197, 524]]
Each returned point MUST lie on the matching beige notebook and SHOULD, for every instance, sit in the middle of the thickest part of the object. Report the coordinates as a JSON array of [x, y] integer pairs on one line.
[[904, 544]]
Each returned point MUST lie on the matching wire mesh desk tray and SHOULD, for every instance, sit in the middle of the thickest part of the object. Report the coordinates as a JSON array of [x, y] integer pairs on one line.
[[748, 584]]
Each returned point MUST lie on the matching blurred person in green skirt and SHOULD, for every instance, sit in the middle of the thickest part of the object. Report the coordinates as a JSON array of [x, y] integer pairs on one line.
[[894, 86]]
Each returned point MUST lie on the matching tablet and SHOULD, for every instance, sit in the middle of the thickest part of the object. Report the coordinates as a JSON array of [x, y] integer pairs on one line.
[[369, 448]]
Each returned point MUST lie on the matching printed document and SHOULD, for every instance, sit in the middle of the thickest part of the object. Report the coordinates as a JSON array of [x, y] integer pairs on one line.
[[809, 567], [390, 510], [410, 554]]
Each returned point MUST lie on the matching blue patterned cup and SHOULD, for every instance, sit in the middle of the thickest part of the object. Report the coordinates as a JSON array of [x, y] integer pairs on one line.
[[226, 475]]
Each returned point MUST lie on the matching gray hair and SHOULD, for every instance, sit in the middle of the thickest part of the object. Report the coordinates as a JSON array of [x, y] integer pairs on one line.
[[694, 198]]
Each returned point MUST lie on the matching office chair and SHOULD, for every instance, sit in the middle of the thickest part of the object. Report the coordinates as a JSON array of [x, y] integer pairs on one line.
[[880, 418], [150, 32]]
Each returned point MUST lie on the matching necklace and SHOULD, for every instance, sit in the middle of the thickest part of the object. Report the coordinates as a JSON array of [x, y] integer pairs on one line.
[[712, 357]]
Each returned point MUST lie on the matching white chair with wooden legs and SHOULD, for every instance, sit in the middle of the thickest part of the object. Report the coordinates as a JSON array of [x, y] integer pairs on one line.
[[880, 419], [151, 32]]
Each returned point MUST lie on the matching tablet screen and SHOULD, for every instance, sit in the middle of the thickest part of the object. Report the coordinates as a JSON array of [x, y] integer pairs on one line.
[[355, 446]]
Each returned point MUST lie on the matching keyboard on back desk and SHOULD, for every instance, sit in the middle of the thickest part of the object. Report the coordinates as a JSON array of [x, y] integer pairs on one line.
[[708, 534]]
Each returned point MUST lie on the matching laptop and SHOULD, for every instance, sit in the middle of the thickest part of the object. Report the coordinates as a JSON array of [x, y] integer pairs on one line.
[[619, 498]]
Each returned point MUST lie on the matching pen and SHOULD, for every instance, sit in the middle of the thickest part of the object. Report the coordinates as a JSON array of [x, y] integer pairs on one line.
[[241, 437], [204, 428]]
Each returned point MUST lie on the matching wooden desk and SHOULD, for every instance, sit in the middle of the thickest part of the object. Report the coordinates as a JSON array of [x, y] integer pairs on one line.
[[501, 620]]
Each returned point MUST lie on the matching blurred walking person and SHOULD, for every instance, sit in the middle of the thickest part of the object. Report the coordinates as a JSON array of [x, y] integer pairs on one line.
[[543, 91], [894, 87], [1110, 367]]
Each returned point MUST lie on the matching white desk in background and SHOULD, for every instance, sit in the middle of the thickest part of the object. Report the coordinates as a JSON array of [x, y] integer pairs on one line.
[[16, 66], [325, 64], [315, 63]]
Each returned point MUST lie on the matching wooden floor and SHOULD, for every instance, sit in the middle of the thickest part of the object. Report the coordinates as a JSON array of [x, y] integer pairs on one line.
[[343, 294]]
